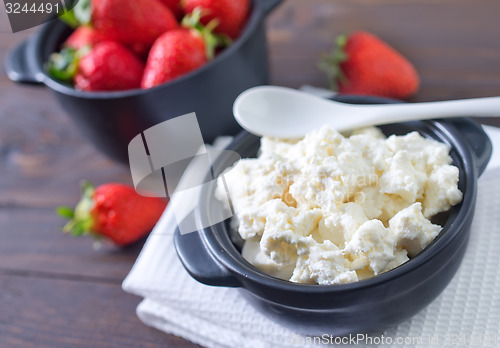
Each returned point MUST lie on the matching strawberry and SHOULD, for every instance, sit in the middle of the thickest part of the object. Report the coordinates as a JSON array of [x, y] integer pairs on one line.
[[136, 24], [114, 211], [180, 51], [84, 36], [175, 53], [108, 67], [364, 64], [231, 14], [174, 6]]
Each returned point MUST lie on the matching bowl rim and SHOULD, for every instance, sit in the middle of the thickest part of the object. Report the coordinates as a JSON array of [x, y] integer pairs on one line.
[[254, 20], [241, 268]]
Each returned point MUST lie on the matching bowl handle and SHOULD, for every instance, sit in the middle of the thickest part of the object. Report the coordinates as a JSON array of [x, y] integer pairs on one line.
[[267, 6], [199, 263], [17, 65], [477, 139]]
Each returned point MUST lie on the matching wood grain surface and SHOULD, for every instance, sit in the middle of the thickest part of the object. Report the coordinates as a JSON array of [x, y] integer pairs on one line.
[[57, 291]]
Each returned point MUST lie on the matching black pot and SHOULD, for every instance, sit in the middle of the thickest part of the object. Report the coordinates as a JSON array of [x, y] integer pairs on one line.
[[365, 306], [111, 119]]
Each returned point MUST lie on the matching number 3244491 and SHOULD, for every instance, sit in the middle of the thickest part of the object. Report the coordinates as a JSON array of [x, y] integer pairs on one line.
[[18, 8]]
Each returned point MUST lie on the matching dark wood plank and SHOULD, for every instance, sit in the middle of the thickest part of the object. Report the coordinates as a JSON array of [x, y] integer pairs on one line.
[[42, 155], [33, 244], [52, 313]]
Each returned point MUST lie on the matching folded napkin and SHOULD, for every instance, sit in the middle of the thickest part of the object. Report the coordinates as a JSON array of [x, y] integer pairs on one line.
[[467, 313]]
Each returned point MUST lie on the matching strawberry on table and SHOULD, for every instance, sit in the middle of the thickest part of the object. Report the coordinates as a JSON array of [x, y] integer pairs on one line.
[[136, 24], [231, 14], [364, 64], [114, 211]]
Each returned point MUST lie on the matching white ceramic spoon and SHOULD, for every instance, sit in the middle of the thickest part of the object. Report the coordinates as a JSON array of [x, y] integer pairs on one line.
[[288, 113]]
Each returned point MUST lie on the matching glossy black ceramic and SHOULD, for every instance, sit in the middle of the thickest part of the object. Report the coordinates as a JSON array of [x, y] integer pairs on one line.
[[365, 306], [111, 119]]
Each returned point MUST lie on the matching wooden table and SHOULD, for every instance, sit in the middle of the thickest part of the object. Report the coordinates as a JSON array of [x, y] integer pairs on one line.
[[56, 291]]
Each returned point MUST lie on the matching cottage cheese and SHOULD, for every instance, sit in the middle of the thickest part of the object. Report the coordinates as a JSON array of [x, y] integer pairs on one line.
[[331, 209]]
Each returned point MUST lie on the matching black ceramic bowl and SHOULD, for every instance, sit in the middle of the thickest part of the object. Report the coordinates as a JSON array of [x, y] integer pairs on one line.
[[111, 119], [365, 306]]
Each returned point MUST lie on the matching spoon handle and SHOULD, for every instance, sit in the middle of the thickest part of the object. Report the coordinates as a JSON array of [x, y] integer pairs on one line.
[[483, 107]]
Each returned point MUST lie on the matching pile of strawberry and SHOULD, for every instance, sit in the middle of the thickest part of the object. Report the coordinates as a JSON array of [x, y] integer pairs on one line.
[[126, 44]]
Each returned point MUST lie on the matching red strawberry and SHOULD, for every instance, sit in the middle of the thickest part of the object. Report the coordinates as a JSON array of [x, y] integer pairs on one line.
[[108, 67], [231, 14], [114, 211], [136, 24], [175, 53], [174, 6], [84, 36], [180, 51], [364, 64]]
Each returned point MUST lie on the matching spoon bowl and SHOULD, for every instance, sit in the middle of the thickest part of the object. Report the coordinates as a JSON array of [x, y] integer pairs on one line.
[[288, 113]]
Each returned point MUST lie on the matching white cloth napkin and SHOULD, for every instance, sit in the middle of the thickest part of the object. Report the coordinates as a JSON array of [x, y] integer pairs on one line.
[[467, 313]]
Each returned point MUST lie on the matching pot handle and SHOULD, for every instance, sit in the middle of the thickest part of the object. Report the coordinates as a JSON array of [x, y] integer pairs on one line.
[[17, 65], [267, 6], [199, 263], [477, 139]]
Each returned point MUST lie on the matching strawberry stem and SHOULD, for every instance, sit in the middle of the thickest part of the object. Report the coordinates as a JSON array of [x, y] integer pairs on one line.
[[81, 221], [64, 65], [65, 212], [330, 63], [212, 41], [80, 14]]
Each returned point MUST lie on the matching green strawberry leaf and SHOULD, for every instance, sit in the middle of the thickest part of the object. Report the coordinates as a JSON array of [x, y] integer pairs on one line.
[[223, 40], [212, 41], [330, 63], [65, 212], [83, 12], [70, 19], [192, 20], [80, 14], [63, 66], [81, 221], [77, 228]]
